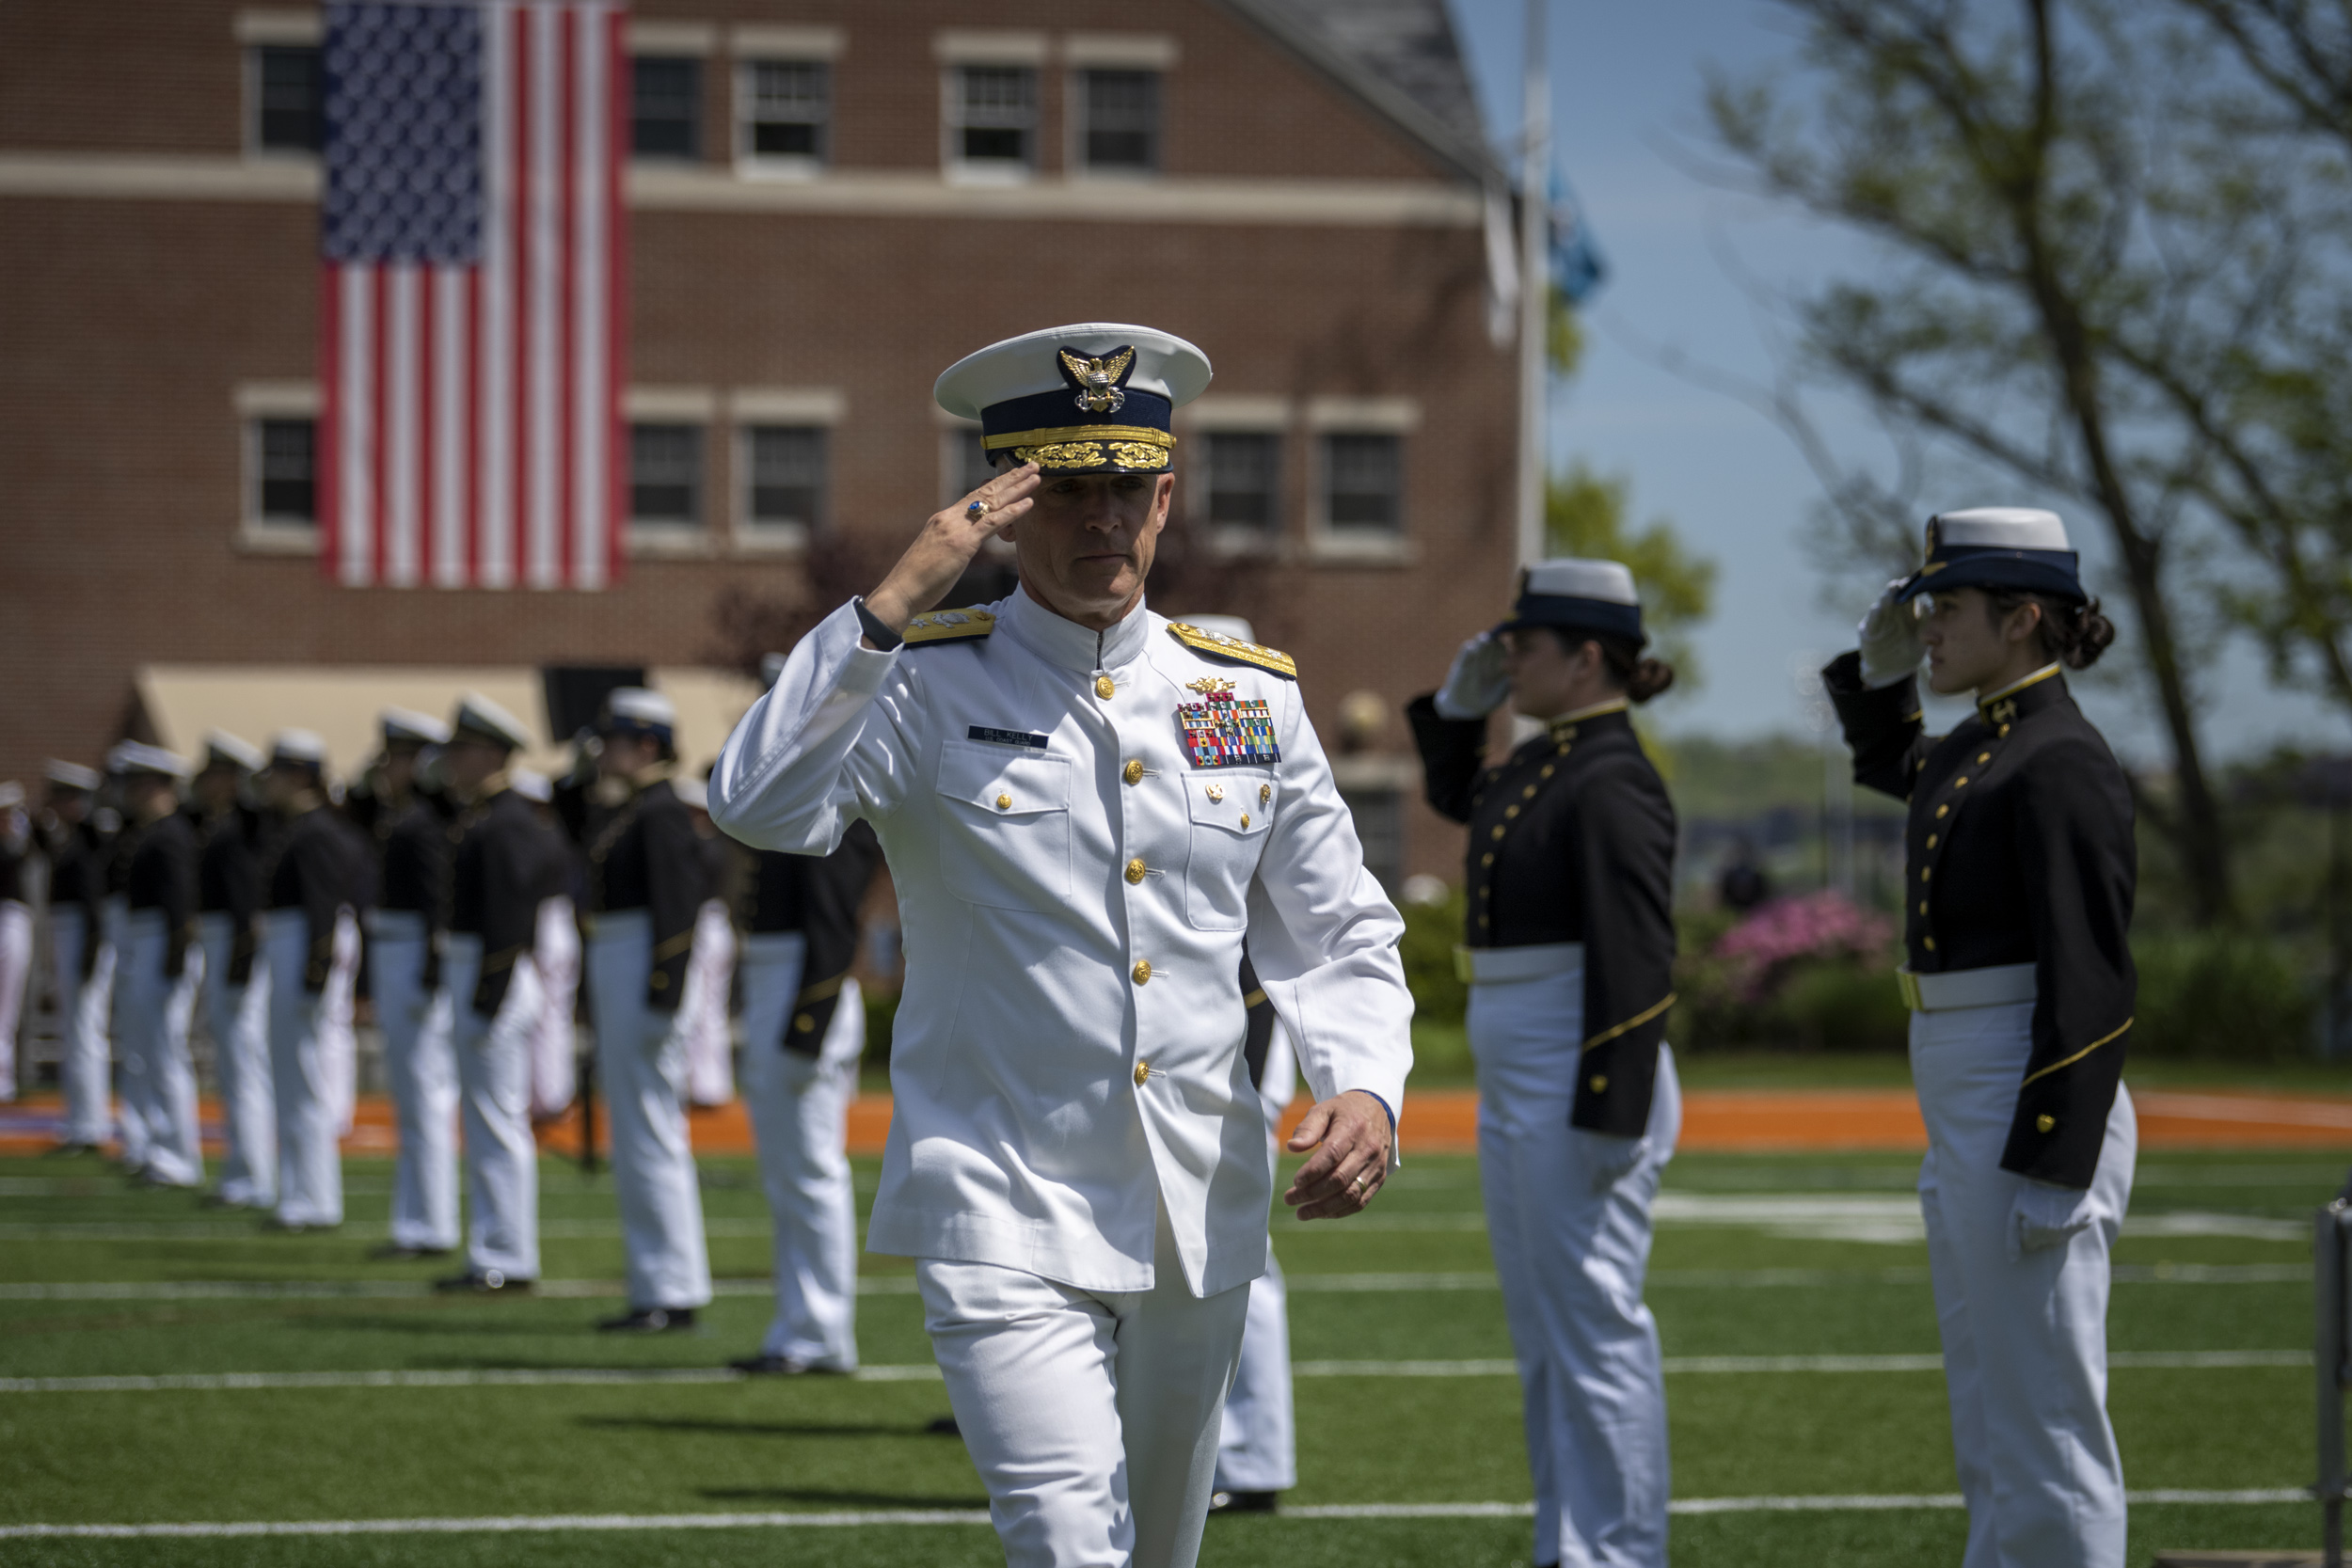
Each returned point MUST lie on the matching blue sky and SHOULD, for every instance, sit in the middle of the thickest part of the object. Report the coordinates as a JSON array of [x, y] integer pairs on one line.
[[1686, 261]]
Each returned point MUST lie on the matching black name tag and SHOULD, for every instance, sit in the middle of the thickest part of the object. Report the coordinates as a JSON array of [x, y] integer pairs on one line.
[[1007, 737]]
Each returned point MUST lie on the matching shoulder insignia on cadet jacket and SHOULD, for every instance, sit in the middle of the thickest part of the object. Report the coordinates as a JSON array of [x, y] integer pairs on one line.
[[1218, 646], [948, 626]]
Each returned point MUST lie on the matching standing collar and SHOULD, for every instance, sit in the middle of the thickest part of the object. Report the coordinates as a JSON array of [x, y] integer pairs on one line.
[[2022, 697], [1565, 726], [1068, 644]]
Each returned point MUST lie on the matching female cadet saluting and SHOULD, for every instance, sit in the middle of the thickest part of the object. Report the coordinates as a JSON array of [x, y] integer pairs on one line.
[[2018, 881], [1570, 959]]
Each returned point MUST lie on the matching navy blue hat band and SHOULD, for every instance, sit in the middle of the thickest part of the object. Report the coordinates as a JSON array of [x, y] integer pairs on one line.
[[1600, 616], [1984, 566]]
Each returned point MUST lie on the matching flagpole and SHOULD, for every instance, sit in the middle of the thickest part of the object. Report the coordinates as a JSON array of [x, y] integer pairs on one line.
[[1534, 282]]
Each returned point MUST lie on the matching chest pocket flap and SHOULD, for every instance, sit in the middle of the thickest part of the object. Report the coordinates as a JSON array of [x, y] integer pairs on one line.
[[1004, 826], [1240, 801]]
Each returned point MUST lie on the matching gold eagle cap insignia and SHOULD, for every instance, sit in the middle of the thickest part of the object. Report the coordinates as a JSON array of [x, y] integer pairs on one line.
[[1098, 379]]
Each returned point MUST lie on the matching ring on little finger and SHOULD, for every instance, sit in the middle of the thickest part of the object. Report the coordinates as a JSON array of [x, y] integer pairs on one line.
[[978, 510]]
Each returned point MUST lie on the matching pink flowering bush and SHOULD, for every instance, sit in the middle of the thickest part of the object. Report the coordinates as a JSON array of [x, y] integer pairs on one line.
[[1764, 948]]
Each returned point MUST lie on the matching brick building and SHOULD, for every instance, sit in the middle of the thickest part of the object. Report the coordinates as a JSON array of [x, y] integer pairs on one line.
[[828, 201]]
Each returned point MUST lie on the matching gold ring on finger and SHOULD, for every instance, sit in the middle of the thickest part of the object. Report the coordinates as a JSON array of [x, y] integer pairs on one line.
[[978, 510]]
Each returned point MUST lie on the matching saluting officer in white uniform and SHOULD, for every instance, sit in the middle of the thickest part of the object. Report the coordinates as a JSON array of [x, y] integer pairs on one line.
[[2020, 872], [414, 827], [648, 877], [158, 967], [1087, 809], [75, 844]]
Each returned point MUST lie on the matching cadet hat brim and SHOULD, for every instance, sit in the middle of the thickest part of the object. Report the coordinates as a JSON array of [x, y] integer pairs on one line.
[[477, 718], [1574, 594], [223, 749], [407, 727], [2017, 548], [137, 759], [71, 775], [297, 749], [1092, 396]]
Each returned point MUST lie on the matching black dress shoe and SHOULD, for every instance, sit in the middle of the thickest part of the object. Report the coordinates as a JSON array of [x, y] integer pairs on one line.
[[945, 1427], [781, 1366], [488, 1282], [649, 1319], [1243, 1502]]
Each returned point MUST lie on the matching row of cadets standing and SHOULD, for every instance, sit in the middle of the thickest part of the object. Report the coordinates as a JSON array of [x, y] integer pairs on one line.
[[506, 861], [804, 1033], [236, 980], [158, 967], [648, 878], [1569, 955], [317, 877], [16, 925], [75, 838], [413, 826]]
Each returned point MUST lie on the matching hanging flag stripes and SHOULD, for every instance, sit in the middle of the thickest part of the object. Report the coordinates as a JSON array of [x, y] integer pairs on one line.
[[472, 329]]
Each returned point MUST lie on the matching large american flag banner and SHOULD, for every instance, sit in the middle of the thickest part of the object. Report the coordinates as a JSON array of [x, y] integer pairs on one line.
[[471, 329]]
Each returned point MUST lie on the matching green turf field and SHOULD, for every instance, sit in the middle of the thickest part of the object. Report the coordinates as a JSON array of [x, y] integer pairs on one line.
[[1791, 1291]]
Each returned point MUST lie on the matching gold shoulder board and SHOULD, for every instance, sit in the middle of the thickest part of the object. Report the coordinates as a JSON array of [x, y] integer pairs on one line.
[[1216, 646], [948, 626]]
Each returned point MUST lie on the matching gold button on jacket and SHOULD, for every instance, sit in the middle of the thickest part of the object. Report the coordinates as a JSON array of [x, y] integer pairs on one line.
[[1133, 773], [1103, 686], [1135, 870], [1143, 1070], [1143, 971]]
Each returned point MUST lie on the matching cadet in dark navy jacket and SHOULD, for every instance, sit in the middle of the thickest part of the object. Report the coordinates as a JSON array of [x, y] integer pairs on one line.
[[236, 985], [76, 846], [2018, 885], [157, 970], [647, 879], [1569, 955], [16, 925]]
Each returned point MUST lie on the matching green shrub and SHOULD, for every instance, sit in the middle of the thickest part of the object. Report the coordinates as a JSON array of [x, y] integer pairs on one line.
[[1431, 931], [1845, 1006], [2220, 995]]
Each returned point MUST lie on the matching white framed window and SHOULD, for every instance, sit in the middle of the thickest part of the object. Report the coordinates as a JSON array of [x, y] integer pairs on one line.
[[666, 107], [1115, 125], [1362, 483], [991, 118], [665, 477], [278, 424], [785, 120], [786, 471]]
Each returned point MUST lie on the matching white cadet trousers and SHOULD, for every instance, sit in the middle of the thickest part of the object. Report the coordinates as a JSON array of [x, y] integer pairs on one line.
[[84, 1067], [702, 1013], [494, 1104], [338, 1033], [16, 965], [2024, 1334], [301, 1071], [1091, 1415], [420, 1069], [555, 1048], [641, 1056], [1258, 1450], [1569, 1219], [152, 1011], [238, 1017], [800, 1110], [130, 1064]]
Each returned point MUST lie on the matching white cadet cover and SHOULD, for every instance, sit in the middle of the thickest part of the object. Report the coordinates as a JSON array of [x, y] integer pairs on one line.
[[407, 723], [303, 746], [2002, 527], [1609, 581], [72, 775], [1027, 367], [484, 717], [220, 746], [1068, 1053], [640, 705], [133, 756]]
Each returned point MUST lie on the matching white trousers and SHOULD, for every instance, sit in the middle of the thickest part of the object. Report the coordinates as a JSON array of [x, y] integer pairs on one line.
[[420, 1069], [16, 967], [129, 1045], [1568, 1218], [555, 1048], [1092, 1417], [702, 1012], [238, 1017], [800, 1110], [1258, 1449], [152, 1011], [641, 1057], [2025, 1339], [339, 1035], [494, 1104], [302, 1074], [84, 1066]]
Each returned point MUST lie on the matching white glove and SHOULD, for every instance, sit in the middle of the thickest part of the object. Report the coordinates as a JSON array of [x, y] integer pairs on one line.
[[1475, 686], [1890, 649], [2046, 1216], [1608, 1158]]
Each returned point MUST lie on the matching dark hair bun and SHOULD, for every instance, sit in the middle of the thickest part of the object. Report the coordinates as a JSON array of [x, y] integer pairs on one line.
[[1651, 676], [2085, 635], [1638, 679]]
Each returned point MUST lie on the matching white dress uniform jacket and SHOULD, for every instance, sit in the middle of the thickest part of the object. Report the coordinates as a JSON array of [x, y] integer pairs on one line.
[[1073, 894]]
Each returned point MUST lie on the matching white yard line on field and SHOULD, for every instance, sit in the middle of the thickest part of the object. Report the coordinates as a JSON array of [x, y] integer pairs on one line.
[[569, 1523]]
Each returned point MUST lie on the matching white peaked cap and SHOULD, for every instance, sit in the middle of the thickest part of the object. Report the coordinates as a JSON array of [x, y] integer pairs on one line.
[[532, 785], [133, 756], [1026, 366], [692, 791], [302, 746], [640, 705], [407, 723], [72, 775], [1224, 625], [1609, 581], [220, 746], [485, 717], [2002, 528]]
